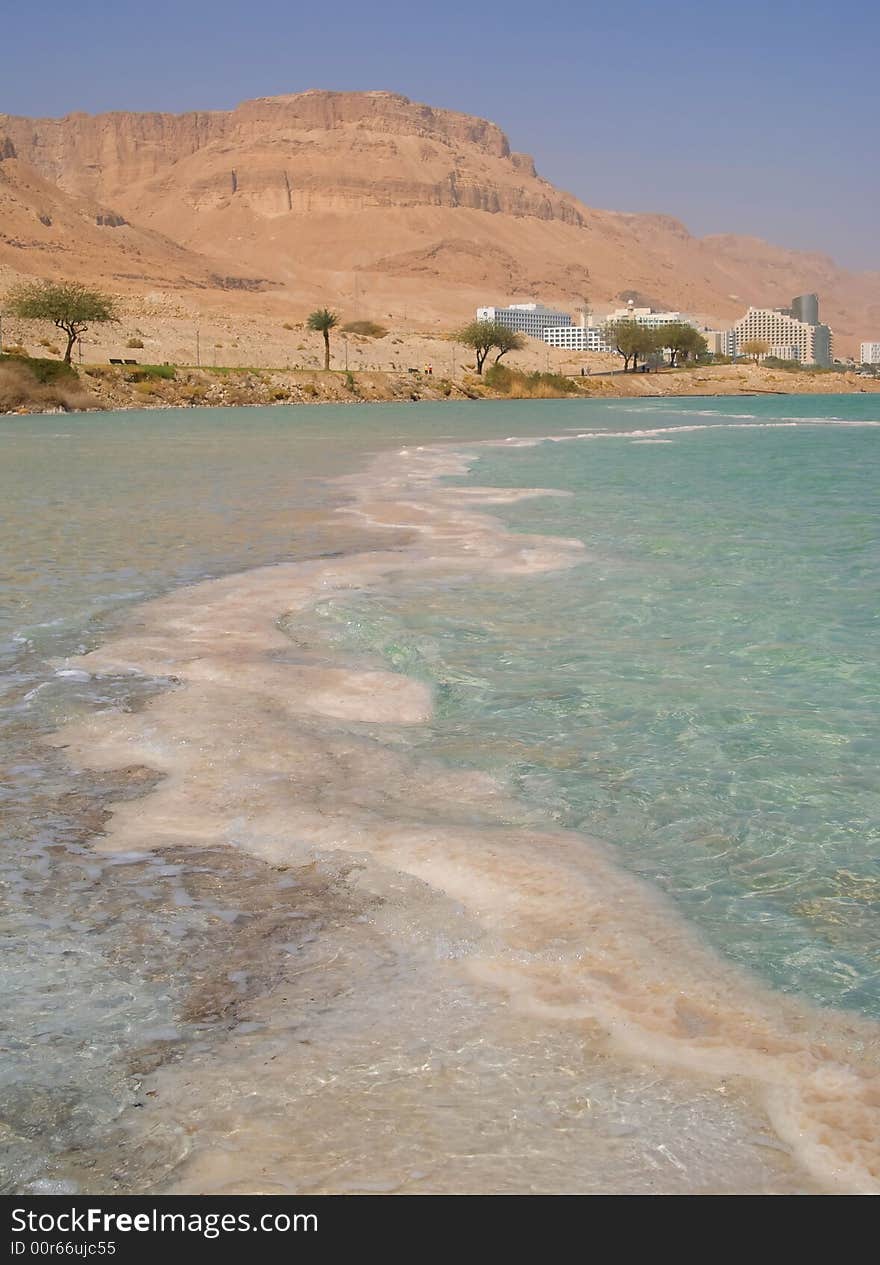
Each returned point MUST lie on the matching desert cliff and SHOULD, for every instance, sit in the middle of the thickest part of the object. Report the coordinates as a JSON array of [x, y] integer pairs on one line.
[[367, 201]]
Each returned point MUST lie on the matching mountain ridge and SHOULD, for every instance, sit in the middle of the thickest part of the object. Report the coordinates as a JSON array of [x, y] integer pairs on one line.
[[369, 199]]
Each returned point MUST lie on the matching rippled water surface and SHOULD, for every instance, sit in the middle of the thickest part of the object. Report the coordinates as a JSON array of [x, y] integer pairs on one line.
[[704, 692], [701, 693]]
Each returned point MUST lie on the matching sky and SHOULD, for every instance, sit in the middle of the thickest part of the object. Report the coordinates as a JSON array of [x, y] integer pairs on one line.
[[746, 118]]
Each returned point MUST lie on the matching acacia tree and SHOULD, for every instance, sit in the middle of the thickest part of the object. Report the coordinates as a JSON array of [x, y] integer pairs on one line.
[[755, 349], [632, 341], [682, 340], [484, 336], [507, 340], [322, 320], [70, 307]]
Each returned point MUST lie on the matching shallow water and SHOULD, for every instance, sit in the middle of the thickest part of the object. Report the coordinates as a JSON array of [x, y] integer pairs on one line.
[[286, 920], [704, 693]]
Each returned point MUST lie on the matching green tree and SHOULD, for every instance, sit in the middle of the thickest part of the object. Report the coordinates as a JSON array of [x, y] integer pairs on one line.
[[322, 321], [506, 340], [484, 336], [632, 341], [70, 307], [682, 341], [755, 348]]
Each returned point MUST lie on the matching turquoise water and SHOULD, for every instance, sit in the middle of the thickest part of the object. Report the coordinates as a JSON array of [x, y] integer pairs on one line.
[[704, 692], [701, 693], [98, 513]]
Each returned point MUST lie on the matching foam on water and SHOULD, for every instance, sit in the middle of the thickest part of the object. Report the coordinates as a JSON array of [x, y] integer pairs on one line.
[[505, 1008]]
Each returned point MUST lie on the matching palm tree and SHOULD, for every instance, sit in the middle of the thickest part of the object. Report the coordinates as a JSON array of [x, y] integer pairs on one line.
[[323, 320]]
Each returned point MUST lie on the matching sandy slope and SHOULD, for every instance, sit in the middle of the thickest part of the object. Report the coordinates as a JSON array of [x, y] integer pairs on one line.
[[384, 207]]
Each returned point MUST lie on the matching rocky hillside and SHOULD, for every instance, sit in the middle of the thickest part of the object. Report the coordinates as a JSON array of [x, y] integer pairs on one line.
[[371, 202]]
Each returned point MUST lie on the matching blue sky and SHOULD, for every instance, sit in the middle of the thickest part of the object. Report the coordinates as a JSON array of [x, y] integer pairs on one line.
[[743, 117]]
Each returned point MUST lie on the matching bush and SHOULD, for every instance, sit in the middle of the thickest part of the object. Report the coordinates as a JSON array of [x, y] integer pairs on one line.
[[238, 396], [135, 342], [144, 373], [22, 388], [535, 385], [44, 371], [193, 393], [367, 329]]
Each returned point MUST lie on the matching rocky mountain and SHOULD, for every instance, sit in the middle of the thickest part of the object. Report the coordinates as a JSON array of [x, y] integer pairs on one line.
[[368, 201]]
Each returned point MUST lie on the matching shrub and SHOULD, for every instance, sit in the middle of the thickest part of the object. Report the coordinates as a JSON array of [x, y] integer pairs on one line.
[[22, 388], [367, 329], [238, 396], [535, 385], [144, 373], [43, 370], [192, 393], [135, 342]]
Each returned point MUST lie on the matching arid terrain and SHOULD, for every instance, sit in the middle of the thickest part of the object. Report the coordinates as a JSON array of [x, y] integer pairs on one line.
[[124, 387], [237, 223]]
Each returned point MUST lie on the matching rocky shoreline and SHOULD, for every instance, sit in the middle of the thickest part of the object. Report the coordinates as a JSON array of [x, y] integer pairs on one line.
[[94, 387]]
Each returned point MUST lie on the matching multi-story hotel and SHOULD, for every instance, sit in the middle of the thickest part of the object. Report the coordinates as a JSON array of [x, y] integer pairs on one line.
[[589, 335], [787, 336], [648, 317], [869, 353], [525, 318]]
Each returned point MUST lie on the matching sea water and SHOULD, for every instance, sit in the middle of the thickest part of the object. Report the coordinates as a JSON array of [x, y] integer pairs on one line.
[[704, 691], [307, 897]]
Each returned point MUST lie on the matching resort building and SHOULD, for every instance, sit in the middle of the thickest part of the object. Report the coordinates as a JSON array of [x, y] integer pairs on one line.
[[716, 341], [525, 318], [648, 317], [806, 308], [587, 337], [869, 353], [589, 334], [785, 334]]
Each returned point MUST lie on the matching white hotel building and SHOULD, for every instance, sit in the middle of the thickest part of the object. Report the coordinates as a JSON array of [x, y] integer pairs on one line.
[[526, 318], [786, 336], [869, 353], [590, 335]]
